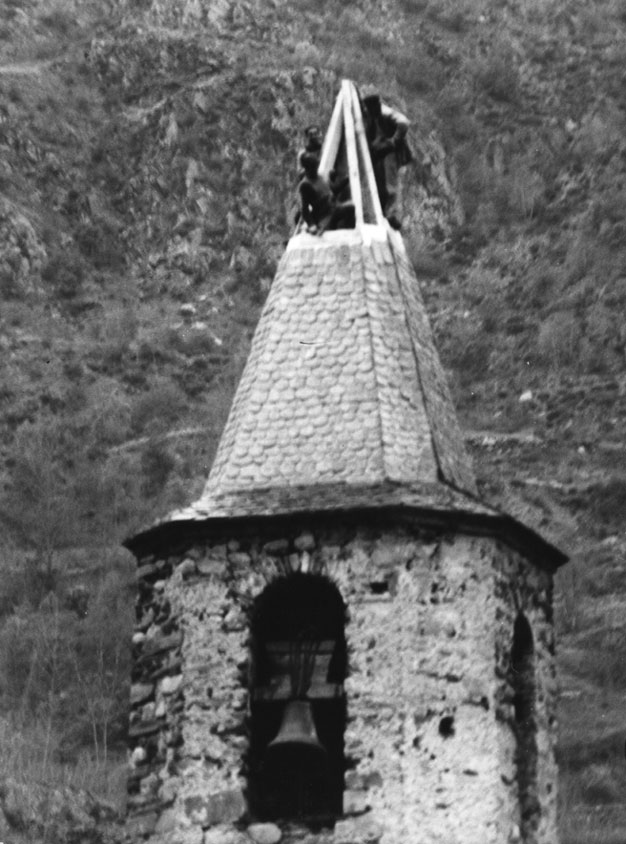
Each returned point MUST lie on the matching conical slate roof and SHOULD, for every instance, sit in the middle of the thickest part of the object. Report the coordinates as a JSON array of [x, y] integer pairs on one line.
[[343, 383], [343, 404]]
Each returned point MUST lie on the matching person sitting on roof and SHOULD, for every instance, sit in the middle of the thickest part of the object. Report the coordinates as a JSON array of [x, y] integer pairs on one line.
[[386, 130], [312, 146], [318, 200]]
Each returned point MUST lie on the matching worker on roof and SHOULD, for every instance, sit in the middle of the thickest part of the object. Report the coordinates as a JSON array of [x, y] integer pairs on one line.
[[319, 205], [312, 146], [386, 130]]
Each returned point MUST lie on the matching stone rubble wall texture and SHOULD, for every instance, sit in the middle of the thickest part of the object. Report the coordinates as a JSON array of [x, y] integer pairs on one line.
[[432, 645]]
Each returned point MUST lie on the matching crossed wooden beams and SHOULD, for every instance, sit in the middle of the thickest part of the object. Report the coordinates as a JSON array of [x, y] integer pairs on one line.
[[347, 123]]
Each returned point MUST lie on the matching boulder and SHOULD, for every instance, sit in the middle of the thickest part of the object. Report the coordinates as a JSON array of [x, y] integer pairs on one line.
[[264, 833]]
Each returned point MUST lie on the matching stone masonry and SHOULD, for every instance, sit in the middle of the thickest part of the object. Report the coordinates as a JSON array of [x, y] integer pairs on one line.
[[339, 642], [429, 741]]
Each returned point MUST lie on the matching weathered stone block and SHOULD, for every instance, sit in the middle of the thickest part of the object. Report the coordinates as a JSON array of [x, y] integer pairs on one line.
[[149, 784], [168, 791], [138, 756], [186, 568], [355, 802], [144, 803], [148, 712], [147, 571], [162, 643], [209, 566], [362, 781], [235, 620], [144, 728], [169, 685], [223, 807], [225, 835], [239, 559], [361, 830], [264, 833], [140, 692], [276, 547], [305, 542], [168, 822], [140, 826], [191, 835]]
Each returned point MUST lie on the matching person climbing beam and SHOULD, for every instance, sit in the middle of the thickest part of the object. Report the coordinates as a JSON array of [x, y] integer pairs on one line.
[[312, 146], [386, 129]]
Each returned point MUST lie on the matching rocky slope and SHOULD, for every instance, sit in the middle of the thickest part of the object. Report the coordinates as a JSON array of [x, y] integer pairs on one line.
[[146, 193]]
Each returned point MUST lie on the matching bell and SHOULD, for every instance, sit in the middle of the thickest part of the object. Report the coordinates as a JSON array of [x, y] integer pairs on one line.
[[297, 735]]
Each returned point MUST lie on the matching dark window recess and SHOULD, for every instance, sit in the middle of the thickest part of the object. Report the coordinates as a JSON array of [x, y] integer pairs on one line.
[[298, 710], [524, 696], [446, 726]]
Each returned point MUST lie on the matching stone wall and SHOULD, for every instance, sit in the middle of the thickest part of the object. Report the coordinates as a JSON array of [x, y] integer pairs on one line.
[[429, 740], [521, 588]]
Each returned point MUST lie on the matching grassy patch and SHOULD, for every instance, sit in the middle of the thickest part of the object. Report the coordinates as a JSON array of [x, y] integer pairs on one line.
[[497, 74]]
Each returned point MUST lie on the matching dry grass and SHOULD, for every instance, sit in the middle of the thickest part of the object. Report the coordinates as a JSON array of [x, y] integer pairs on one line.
[[29, 753]]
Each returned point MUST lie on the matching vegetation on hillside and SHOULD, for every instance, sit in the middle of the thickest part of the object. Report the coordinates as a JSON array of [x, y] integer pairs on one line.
[[146, 192]]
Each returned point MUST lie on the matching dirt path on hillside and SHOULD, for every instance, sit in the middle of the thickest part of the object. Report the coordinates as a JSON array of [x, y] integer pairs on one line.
[[24, 68]]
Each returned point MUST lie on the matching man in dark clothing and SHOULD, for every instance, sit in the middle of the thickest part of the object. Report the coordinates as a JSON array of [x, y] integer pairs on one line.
[[318, 199], [386, 129], [312, 146]]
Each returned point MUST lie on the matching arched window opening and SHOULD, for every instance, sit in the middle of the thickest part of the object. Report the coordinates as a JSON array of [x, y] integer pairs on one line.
[[524, 697], [296, 758]]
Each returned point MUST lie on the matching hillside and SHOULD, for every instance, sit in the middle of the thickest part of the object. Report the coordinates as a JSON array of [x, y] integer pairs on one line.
[[147, 167]]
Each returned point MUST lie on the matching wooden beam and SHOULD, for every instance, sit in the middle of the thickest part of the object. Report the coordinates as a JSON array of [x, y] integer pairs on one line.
[[369, 177], [333, 138], [351, 151]]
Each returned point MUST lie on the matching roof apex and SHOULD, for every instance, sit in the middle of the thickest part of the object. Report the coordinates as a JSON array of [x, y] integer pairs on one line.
[[343, 404]]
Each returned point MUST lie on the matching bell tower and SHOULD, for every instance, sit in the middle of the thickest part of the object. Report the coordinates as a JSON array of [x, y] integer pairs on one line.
[[339, 642]]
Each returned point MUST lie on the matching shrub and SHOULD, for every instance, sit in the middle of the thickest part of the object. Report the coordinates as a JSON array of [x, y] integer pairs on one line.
[[457, 125], [470, 352], [65, 272], [115, 331], [157, 464], [558, 339], [413, 7], [600, 785], [452, 16], [607, 505], [416, 72], [100, 243], [60, 20], [497, 73], [526, 191], [619, 10], [472, 176], [542, 283], [158, 408], [307, 54]]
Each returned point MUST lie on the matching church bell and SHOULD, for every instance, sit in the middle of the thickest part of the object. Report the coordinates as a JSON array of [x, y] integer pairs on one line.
[[297, 733]]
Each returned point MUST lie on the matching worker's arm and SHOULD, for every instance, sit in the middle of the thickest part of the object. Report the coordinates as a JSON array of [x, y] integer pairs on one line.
[[399, 120]]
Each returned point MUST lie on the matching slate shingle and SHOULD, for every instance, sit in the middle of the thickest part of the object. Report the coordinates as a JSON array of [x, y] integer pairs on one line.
[[343, 384]]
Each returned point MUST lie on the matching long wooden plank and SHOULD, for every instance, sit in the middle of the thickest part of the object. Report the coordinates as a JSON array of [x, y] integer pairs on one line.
[[353, 159], [370, 179], [333, 138]]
